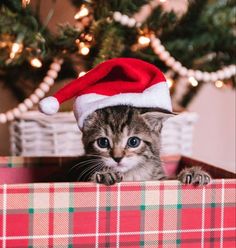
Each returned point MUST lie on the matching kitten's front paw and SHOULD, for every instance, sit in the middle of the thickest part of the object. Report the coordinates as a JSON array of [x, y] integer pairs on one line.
[[108, 177], [195, 176]]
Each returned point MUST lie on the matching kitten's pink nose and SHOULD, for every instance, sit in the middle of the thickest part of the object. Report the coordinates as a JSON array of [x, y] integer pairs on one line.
[[117, 159]]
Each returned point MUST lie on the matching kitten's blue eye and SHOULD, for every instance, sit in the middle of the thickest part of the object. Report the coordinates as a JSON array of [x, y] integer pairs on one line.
[[103, 142], [133, 142]]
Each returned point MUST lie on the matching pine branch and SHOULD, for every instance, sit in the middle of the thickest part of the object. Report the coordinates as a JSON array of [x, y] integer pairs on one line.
[[112, 45]]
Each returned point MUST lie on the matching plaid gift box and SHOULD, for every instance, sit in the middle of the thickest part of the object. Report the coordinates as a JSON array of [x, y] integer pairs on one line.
[[135, 214]]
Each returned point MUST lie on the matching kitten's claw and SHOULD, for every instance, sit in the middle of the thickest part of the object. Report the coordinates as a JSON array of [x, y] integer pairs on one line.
[[108, 177], [195, 176]]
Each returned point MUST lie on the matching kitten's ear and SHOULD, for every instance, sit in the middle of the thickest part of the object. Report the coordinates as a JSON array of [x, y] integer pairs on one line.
[[155, 119]]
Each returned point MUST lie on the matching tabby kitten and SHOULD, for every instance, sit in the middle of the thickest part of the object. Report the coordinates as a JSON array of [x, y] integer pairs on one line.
[[122, 143]]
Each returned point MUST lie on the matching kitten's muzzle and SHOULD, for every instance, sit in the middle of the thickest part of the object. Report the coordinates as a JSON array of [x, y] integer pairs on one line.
[[117, 159]]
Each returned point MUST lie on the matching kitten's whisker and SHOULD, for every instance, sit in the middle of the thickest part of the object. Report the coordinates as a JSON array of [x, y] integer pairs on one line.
[[90, 174], [77, 165], [92, 155], [84, 172], [89, 170], [84, 163]]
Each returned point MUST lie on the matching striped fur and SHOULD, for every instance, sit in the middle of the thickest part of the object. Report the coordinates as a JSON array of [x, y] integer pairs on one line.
[[118, 124]]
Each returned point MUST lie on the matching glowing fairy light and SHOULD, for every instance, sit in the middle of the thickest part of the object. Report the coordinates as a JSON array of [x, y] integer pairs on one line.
[[193, 81], [143, 40], [35, 62], [25, 3], [16, 48], [84, 50], [83, 11], [170, 82], [82, 73], [219, 84]]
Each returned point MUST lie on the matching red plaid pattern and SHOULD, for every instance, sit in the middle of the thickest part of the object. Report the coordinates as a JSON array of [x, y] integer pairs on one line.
[[138, 214]]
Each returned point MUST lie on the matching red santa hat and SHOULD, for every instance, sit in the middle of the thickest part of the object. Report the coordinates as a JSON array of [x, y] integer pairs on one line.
[[119, 81]]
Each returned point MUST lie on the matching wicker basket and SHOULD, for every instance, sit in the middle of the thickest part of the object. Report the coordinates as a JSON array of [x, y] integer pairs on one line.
[[35, 134]]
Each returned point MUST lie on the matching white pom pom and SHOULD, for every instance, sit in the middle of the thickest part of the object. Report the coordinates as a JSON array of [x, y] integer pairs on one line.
[[49, 105]]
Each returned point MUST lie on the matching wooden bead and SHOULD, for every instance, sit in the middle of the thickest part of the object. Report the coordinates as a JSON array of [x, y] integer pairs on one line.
[[213, 76], [170, 61], [55, 66], [3, 118], [183, 71], [39, 93], [117, 16], [190, 73], [220, 74], [131, 22], [227, 72], [22, 107], [43, 86], [164, 55], [28, 103], [124, 20], [176, 66], [206, 76], [52, 73], [16, 112], [48, 80], [232, 69], [9, 115], [198, 75], [34, 98], [159, 49]]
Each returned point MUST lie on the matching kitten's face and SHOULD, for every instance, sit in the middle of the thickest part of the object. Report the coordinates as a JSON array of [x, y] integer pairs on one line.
[[122, 136]]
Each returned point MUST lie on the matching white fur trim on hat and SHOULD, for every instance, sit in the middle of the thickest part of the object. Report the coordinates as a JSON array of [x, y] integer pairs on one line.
[[155, 96], [49, 105]]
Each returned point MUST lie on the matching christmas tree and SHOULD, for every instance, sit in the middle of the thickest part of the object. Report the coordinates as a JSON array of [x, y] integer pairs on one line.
[[193, 47]]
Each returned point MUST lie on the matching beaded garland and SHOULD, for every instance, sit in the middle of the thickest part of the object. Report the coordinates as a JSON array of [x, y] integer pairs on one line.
[[136, 21], [39, 93]]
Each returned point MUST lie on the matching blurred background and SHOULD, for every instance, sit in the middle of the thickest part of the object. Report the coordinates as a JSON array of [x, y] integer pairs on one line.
[[45, 44]]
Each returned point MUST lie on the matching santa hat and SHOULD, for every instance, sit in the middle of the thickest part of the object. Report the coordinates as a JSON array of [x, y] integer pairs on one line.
[[119, 81]]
